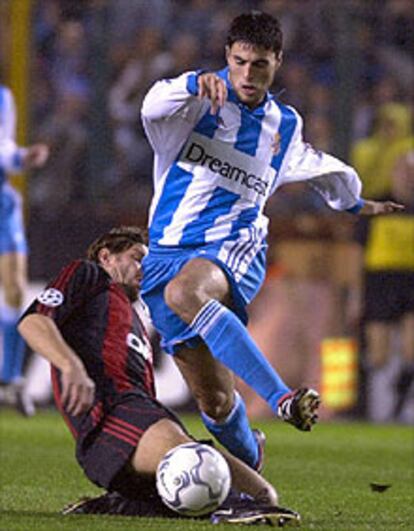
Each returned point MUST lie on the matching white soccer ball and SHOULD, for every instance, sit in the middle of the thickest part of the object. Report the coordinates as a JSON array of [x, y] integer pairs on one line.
[[193, 479]]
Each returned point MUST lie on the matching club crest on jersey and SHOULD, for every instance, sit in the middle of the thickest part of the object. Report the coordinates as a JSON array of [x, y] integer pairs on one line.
[[51, 297], [276, 144]]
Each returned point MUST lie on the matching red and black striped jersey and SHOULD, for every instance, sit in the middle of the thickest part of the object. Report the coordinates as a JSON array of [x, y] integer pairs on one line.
[[96, 318]]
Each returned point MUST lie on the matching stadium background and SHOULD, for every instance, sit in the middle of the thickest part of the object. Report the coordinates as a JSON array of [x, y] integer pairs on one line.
[[79, 70]]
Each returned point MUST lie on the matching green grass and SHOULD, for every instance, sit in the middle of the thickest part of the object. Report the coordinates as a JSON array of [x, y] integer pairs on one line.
[[324, 475]]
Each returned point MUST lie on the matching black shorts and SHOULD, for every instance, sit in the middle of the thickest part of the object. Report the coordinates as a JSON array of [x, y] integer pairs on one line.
[[388, 296], [107, 439]]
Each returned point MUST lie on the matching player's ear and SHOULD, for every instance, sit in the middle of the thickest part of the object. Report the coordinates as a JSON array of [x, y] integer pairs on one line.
[[279, 57], [103, 256], [227, 51]]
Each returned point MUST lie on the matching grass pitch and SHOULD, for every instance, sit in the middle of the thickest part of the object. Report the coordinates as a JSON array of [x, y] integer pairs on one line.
[[325, 475]]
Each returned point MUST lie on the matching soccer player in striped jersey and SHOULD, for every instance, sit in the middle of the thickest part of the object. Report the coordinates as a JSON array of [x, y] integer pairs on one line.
[[13, 251], [85, 324], [222, 145]]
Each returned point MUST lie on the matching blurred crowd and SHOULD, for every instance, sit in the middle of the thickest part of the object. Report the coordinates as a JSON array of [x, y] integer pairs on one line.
[[117, 48]]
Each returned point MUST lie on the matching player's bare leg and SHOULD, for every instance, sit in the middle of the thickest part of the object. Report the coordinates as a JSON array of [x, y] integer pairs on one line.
[[378, 337], [222, 408], [13, 275], [161, 437], [155, 443], [166, 434], [378, 351], [198, 282], [210, 382], [405, 380]]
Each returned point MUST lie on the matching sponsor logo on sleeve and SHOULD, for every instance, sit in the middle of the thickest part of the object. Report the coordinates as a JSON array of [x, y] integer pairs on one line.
[[51, 297]]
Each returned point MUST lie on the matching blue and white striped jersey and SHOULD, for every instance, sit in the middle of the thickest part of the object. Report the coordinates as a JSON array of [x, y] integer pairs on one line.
[[10, 153], [214, 173]]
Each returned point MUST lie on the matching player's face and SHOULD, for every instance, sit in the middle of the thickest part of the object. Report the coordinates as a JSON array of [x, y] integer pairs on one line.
[[252, 70], [125, 268]]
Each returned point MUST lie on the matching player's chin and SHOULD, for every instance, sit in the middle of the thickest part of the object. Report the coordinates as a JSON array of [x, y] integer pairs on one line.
[[131, 291], [249, 97]]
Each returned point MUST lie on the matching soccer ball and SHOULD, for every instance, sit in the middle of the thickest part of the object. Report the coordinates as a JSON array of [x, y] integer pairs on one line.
[[193, 479]]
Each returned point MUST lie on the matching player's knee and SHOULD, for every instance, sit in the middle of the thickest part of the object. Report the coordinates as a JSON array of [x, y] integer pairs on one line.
[[173, 296], [13, 295], [182, 300]]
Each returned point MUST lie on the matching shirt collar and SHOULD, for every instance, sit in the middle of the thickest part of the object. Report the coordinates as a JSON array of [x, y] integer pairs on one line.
[[232, 96]]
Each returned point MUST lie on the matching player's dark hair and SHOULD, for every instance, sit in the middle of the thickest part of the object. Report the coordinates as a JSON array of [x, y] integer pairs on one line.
[[117, 240], [257, 28]]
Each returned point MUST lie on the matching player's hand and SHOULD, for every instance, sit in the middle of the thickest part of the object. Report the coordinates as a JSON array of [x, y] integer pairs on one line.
[[78, 390], [36, 156], [374, 208], [214, 88]]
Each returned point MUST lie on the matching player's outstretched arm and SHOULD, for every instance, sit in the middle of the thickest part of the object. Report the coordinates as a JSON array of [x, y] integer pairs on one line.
[[44, 337], [374, 208]]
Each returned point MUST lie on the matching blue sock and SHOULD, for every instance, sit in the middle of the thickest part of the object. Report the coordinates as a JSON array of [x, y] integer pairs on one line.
[[13, 347], [229, 342], [234, 433]]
